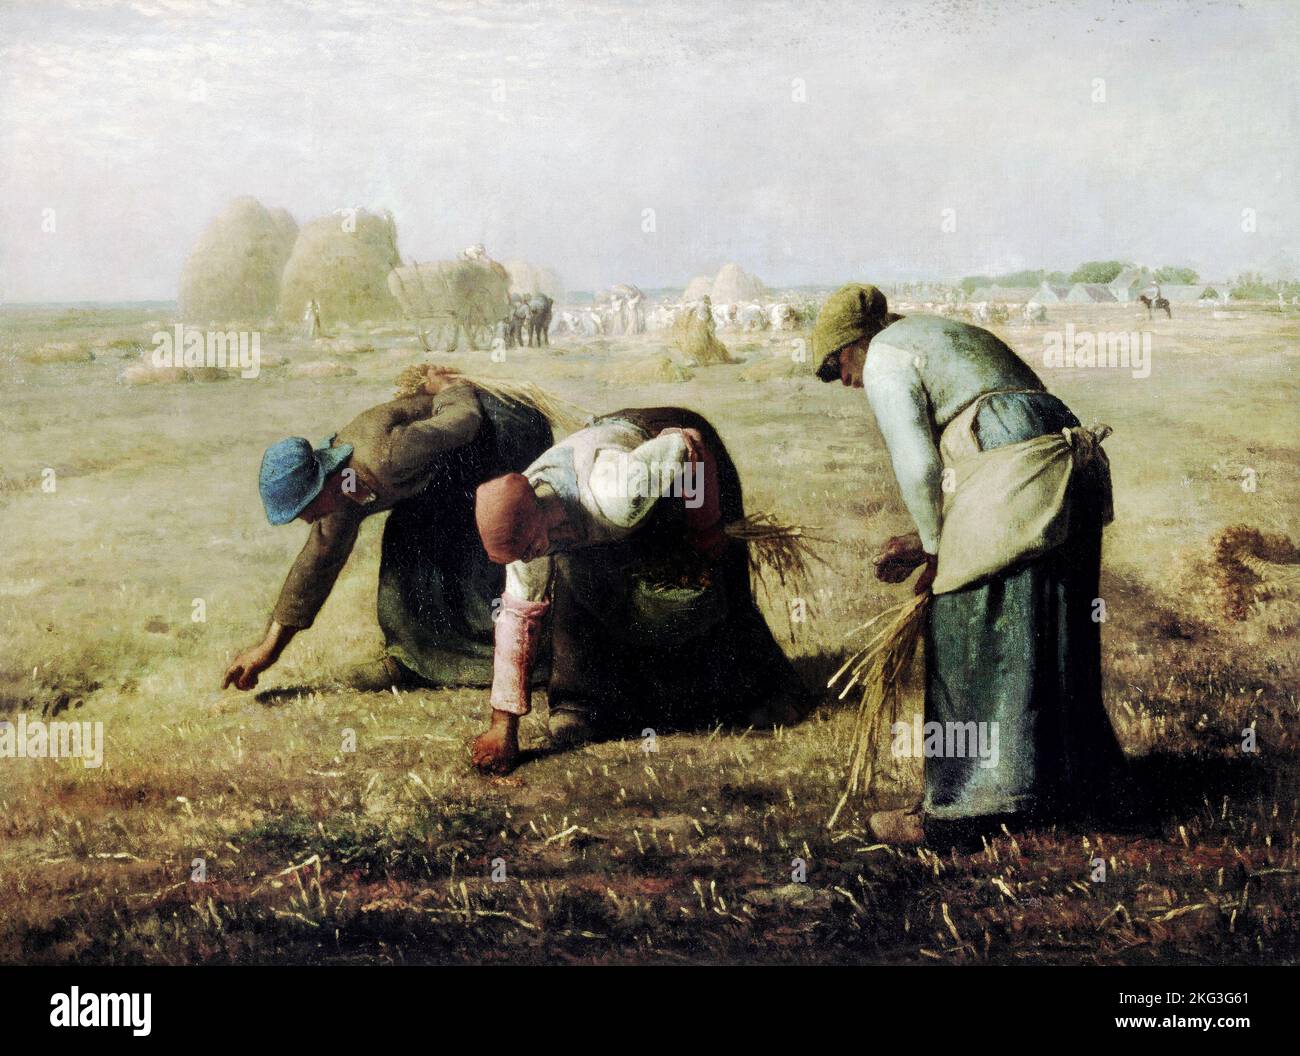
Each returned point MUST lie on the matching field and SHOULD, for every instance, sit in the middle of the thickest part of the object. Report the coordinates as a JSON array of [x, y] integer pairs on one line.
[[232, 827]]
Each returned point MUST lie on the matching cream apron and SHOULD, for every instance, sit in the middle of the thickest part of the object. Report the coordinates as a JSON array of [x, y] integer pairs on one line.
[[1009, 504]]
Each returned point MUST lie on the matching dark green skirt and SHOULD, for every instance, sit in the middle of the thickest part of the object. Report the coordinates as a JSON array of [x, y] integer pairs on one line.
[[647, 633], [436, 584], [1021, 652]]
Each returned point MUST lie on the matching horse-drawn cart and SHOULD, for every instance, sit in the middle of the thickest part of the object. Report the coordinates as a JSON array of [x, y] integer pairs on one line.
[[452, 297]]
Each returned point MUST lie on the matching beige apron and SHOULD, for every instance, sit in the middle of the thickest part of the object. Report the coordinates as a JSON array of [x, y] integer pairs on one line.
[[1012, 503]]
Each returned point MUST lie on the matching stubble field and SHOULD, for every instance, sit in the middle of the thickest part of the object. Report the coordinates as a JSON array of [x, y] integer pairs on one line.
[[230, 827]]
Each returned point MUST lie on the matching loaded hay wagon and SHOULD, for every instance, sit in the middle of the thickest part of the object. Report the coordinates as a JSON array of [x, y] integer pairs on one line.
[[452, 297]]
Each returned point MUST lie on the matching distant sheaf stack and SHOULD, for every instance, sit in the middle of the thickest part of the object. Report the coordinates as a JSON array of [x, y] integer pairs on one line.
[[252, 264], [343, 263], [234, 270]]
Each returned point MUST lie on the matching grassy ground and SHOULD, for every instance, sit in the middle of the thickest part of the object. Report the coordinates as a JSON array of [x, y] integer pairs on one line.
[[398, 852]]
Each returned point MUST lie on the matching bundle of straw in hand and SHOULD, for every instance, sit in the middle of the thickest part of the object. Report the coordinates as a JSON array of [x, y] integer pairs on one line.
[[785, 551], [880, 667]]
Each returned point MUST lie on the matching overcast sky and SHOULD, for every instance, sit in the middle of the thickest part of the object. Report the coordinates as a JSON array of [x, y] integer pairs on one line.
[[810, 142]]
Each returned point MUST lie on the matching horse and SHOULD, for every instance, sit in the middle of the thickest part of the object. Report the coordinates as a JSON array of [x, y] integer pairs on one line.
[[538, 324], [1156, 304]]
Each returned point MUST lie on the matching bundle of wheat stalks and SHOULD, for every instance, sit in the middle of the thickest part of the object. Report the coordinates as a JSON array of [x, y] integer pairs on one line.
[[880, 667], [786, 551], [563, 415], [1241, 575], [1250, 567]]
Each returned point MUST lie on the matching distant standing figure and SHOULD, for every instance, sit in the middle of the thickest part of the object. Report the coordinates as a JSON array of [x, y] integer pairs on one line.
[[311, 320], [636, 307]]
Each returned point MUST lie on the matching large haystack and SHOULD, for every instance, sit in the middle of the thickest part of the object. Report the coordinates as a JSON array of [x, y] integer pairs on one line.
[[733, 284], [533, 278], [233, 272], [344, 265]]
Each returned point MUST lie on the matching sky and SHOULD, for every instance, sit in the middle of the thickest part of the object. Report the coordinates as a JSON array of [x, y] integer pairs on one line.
[[810, 142]]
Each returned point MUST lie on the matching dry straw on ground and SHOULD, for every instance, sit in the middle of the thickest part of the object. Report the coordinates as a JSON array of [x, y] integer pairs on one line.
[[1242, 575], [652, 370]]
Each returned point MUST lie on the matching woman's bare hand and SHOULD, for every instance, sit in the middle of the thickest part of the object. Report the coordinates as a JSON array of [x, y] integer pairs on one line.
[[899, 557]]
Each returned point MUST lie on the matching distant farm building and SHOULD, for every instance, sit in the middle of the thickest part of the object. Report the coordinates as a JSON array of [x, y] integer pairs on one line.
[[1090, 293], [1049, 294], [1130, 284], [1004, 294], [1180, 293]]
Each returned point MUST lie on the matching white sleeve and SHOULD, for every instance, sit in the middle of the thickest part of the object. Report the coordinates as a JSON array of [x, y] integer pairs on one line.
[[529, 580], [902, 411], [626, 484]]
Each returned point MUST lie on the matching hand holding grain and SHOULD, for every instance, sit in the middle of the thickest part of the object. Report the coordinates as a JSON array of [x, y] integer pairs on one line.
[[899, 557]]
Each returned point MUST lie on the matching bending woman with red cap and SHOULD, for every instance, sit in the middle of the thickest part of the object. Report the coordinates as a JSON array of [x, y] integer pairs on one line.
[[616, 535]]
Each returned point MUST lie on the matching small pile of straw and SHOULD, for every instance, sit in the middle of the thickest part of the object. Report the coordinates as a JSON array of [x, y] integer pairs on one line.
[[880, 667], [1242, 576], [1249, 567], [785, 551], [564, 416]]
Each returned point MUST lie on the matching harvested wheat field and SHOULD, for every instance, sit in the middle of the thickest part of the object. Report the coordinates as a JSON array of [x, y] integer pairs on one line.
[[331, 825]]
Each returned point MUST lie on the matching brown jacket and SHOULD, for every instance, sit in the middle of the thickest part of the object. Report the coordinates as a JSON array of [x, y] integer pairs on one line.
[[394, 447]]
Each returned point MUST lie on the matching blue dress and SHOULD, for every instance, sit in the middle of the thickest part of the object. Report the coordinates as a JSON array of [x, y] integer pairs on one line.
[[1022, 649]]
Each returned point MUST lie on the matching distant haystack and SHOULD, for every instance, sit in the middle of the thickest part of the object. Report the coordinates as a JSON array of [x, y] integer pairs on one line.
[[699, 287], [233, 272], [342, 262], [533, 278], [733, 284], [288, 227]]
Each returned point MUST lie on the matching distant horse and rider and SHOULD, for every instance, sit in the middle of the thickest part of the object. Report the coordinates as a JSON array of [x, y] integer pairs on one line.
[[1157, 303]]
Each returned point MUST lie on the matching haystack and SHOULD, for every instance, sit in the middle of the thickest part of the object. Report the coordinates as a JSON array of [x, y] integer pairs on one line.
[[344, 266], [234, 270], [696, 341], [733, 285], [698, 288], [533, 278]]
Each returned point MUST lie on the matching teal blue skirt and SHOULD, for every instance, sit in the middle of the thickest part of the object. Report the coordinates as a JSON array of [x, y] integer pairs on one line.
[[1019, 655]]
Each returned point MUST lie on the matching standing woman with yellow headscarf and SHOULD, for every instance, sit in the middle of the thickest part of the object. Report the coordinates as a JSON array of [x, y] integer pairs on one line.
[[1009, 495]]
